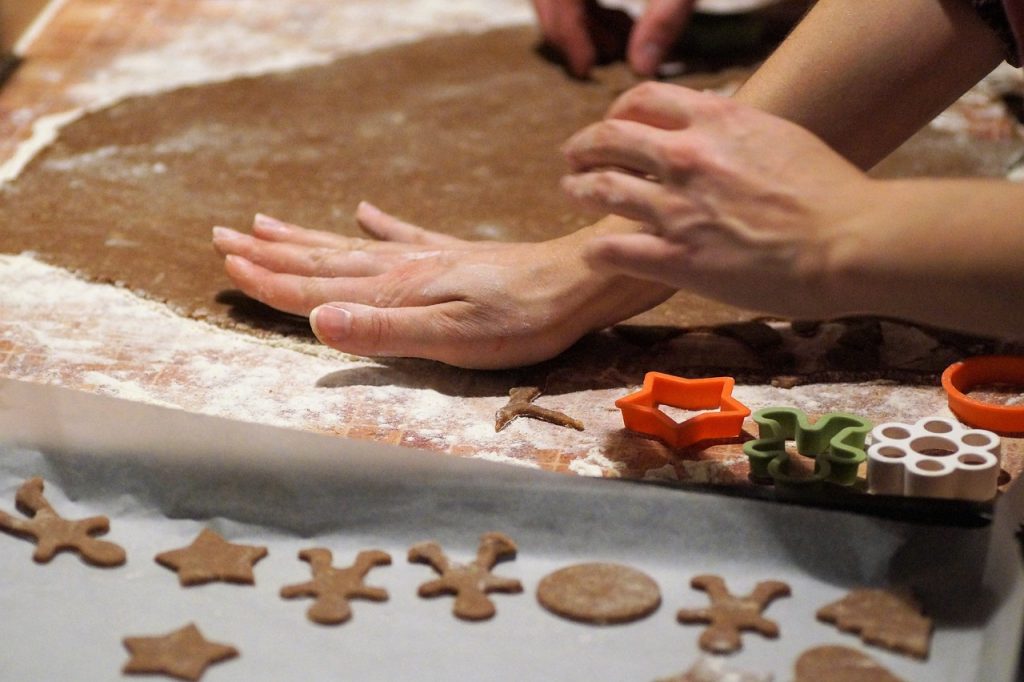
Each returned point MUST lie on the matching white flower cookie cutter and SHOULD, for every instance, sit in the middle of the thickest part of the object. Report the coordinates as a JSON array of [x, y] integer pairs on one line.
[[934, 457]]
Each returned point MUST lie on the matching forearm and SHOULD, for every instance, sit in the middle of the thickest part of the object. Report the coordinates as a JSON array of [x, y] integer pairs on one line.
[[864, 75], [943, 252]]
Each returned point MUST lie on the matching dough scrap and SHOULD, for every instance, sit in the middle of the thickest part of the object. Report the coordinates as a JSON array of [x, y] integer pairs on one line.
[[520, 404]]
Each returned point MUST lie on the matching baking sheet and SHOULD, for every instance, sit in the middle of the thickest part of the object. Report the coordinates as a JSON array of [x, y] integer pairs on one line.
[[162, 475]]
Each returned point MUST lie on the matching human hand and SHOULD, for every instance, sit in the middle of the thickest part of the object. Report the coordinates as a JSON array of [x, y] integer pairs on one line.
[[739, 205], [415, 293], [582, 30]]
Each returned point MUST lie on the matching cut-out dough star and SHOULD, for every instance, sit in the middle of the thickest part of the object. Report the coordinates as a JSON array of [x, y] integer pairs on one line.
[[210, 557], [520, 404], [333, 587], [54, 533], [728, 615], [470, 583], [640, 411], [184, 654]]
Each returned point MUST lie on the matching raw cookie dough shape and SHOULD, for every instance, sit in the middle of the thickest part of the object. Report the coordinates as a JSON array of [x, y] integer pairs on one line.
[[53, 533], [883, 618], [641, 413], [520, 404], [470, 583], [728, 615], [333, 587], [599, 593], [934, 457], [209, 558], [840, 664], [835, 441], [458, 133], [184, 654]]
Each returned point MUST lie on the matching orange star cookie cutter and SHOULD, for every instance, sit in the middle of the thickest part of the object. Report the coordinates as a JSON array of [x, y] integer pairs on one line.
[[640, 411]]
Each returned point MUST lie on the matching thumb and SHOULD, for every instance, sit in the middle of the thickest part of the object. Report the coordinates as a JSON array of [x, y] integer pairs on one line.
[[432, 332], [656, 32]]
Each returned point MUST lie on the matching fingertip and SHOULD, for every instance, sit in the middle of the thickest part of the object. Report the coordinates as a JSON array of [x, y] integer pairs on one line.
[[240, 267], [645, 58], [331, 323], [266, 226]]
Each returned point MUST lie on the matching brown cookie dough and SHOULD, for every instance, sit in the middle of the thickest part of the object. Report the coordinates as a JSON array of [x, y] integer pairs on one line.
[[458, 133], [470, 583], [184, 654], [729, 615], [333, 587], [599, 593], [520, 404], [840, 664], [210, 557], [887, 619], [53, 533]]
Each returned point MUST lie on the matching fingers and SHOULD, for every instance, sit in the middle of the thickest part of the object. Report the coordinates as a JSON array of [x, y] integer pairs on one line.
[[300, 259], [434, 332], [386, 227], [645, 256], [563, 24], [619, 193], [621, 144], [272, 229], [299, 294], [660, 105], [656, 32]]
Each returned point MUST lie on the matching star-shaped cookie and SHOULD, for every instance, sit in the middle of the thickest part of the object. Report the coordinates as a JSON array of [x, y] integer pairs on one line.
[[184, 654], [210, 557]]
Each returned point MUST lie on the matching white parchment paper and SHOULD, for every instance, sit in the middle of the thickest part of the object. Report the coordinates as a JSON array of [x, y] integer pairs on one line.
[[163, 475]]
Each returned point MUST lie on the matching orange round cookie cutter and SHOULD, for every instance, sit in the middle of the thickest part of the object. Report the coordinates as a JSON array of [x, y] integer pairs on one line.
[[959, 378]]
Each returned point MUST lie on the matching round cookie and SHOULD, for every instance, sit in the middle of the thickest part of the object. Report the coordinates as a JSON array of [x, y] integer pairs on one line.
[[599, 593]]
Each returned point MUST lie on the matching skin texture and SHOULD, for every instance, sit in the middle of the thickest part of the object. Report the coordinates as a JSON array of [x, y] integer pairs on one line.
[[756, 201], [564, 25], [416, 293]]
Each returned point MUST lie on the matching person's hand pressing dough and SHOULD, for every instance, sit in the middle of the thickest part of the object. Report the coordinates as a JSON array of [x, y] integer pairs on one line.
[[738, 205], [412, 292]]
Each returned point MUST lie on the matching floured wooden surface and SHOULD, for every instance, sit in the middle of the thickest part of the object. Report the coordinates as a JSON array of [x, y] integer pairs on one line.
[[56, 328]]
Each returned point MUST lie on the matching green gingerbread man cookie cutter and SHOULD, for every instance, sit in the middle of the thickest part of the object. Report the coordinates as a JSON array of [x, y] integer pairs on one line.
[[836, 442]]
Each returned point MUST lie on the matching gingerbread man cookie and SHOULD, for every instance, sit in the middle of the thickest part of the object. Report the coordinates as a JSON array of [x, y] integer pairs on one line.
[[728, 615], [333, 587], [470, 583], [53, 533]]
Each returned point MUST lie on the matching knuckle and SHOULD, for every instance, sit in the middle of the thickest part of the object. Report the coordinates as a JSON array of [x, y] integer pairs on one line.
[[378, 330], [679, 153], [634, 100]]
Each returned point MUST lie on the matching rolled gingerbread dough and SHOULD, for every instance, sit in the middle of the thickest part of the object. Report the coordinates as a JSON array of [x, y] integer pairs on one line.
[[458, 134]]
